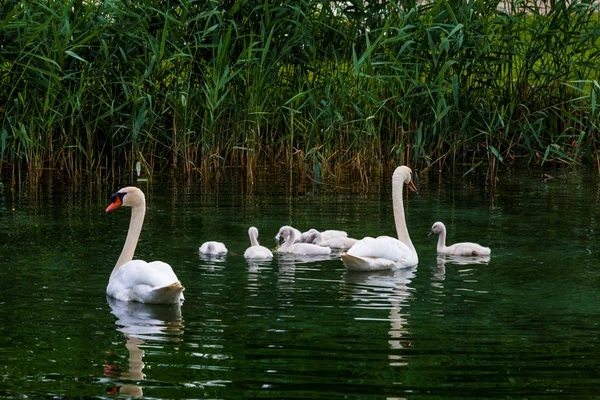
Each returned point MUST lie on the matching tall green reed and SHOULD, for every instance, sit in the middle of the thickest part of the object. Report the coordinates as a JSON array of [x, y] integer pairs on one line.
[[94, 88]]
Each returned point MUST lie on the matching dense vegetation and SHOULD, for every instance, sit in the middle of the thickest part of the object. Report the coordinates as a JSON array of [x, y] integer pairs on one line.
[[90, 87]]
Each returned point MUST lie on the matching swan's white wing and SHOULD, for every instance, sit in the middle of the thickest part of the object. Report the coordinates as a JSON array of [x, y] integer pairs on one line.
[[258, 253], [381, 247], [213, 248], [467, 249], [204, 248], [221, 249], [383, 252], [305, 249], [139, 272], [140, 281], [309, 249], [339, 243], [325, 235], [163, 269], [332, 233]]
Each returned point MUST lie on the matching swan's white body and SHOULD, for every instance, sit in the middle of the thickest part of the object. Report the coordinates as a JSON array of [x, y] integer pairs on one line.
[[335, 243], [213, 249], [301, 249], [457, 249], [325, 235], [137, 280], [385, 252], [280, 237], [256, 251]]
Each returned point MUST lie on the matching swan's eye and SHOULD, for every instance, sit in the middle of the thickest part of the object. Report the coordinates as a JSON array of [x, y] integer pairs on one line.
[[117, 197]]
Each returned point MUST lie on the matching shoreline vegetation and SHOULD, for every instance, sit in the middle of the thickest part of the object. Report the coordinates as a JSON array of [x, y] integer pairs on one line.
[[323, 89]]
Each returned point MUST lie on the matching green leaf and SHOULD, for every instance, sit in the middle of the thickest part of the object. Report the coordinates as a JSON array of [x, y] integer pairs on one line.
[[455, 89], [472, 168], [72, 54], [4, 135], [546, 155], [496, 153], [355, 59]]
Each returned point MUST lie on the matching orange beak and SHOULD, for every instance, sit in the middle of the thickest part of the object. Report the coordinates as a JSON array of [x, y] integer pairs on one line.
[[412, 186], [115, 204]]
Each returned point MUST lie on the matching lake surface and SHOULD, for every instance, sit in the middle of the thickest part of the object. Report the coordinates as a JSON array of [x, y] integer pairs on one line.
[[523, 325]]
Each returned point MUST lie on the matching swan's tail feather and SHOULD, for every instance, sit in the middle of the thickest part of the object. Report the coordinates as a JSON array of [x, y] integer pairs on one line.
[[170, 294], [354, 263], [485, 251]]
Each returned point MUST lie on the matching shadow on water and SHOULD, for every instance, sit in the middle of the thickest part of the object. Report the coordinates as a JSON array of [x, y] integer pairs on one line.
[[140, 323]]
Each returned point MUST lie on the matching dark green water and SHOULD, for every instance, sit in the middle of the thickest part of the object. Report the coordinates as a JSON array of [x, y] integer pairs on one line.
[[524, 325]]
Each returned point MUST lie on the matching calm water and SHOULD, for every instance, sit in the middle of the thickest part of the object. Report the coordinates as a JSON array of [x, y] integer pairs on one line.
[[524, 325]]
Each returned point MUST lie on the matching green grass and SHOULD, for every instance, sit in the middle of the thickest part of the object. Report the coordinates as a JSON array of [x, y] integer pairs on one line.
[[94, 88]]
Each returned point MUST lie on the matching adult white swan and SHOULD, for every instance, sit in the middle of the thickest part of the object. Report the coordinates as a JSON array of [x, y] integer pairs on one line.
[[256, 251], [386, 252], [213, 249], [457, 249], [335, 243], [301, 249], [137, 280]]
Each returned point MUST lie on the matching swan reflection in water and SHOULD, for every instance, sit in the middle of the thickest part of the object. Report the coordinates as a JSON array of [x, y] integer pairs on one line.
[[372, 289], [442, 260], [288, 262], [140, 323], [213, 258], [255, 266]]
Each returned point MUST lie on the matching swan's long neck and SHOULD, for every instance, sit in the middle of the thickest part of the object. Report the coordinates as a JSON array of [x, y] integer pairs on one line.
[[135, 228], [441, 246], [253, 238], [318, 238], [401, 230], [290, 240]]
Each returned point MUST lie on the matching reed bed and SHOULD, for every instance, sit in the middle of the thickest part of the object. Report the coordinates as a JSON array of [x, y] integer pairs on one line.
[[98, 88]]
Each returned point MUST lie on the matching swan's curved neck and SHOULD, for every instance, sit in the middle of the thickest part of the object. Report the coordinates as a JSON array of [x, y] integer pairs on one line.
[[441, 246], [135, 228], [290, 240], [253, 238], [399, 217], [318, 238]]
